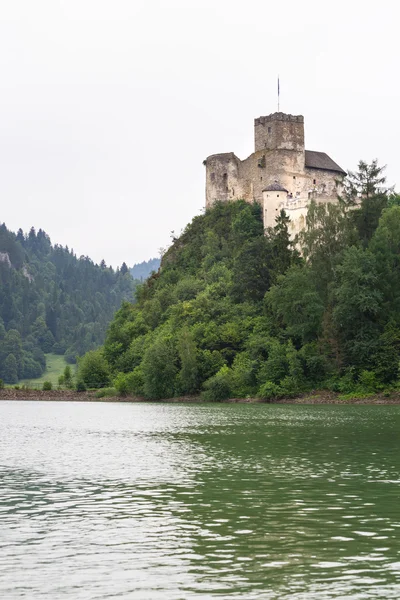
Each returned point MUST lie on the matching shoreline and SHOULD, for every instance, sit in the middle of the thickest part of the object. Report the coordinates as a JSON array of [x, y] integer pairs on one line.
[[317, 397]]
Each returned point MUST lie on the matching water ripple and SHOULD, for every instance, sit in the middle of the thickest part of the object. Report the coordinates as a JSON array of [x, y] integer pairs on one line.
[[177, 501]]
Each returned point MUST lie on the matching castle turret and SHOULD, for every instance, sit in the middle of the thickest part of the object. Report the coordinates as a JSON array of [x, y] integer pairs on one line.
[[222, 174], [273, 196], [279, 131]]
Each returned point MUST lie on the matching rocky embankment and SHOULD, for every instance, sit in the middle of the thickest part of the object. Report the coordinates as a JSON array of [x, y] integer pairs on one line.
[[319, 397]]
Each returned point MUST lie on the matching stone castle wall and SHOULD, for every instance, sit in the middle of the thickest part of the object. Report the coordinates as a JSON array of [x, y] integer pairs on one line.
[[279, 157]]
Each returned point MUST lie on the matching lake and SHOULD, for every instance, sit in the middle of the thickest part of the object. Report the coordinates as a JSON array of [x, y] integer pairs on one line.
[[178, 501]]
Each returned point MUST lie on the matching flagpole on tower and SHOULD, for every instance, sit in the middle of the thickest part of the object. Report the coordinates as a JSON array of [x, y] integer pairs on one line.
[[278, 93]]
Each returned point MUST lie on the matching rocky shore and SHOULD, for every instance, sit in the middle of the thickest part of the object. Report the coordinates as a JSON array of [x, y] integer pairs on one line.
[[318, 397]]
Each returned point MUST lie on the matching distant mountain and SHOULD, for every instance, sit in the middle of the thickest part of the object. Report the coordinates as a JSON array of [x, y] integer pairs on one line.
[[52, 301], [142, 270]]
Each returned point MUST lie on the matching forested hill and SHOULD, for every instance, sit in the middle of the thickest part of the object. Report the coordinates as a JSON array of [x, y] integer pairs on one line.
[[52, 301], [237, 312], [141, 271]]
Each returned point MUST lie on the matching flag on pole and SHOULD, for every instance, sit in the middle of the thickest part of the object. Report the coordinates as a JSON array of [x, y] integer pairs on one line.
[[278, 93]]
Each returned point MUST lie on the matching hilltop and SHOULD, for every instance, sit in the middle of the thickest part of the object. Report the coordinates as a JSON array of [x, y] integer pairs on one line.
[[237, 311]]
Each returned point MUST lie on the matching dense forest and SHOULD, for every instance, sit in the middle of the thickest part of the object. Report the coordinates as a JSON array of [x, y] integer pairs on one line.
[[52, 301], [142, 270], [236, 311]]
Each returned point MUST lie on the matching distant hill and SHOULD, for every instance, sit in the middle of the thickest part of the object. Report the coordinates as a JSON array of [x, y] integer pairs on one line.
[[142, 270], [52, 301]]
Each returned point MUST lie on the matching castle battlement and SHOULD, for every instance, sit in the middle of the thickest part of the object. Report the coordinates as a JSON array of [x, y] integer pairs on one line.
[[279, 116], [279, 161]]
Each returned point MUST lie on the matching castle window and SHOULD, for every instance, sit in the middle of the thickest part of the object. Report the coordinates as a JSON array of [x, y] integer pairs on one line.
[[212, 176], [260, 178], [269, 129], [314, 181], [225, 181], [294, 176]]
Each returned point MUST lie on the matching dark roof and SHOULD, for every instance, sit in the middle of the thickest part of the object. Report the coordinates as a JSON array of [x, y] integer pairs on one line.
[[274, 187], [320, 160]]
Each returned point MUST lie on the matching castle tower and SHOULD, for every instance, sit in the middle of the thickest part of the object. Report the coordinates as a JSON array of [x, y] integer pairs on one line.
[[222, 177], [280, 173], [279, 131]]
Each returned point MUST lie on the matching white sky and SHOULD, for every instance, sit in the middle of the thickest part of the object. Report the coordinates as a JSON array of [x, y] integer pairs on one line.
[[109, 107]]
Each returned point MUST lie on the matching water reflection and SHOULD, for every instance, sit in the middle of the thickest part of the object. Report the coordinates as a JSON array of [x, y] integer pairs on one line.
[[150, 501]]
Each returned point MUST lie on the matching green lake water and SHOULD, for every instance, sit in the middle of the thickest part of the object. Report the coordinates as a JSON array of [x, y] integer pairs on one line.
[[161, 501]]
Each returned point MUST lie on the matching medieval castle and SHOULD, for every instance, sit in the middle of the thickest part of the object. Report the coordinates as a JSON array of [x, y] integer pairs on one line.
[[279, 174]]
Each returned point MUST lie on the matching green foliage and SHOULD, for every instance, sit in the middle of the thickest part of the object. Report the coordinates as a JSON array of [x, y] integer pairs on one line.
[[47, 386], [10, 369], [270, 391], [367, 182], [218, 387], [356, 315], [297, 304], [244, 382], [159, 369], [68, 378], [51, 301], [189, 372], [236, 311], [1, 384], [93, 370], [130, 383]]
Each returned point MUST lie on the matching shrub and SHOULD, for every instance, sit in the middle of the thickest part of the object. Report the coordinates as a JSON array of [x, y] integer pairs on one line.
[[347, 384], [218, 387], [270, 391], [243, 375], [68, 378], [80, 386], [130, 383], [367, 382], [93, 370], [159, 369], [31, 368], [47, 386], [1, 384]]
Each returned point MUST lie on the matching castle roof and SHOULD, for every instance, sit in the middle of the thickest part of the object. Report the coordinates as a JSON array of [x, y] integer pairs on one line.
[[275, 187], [320, 160]]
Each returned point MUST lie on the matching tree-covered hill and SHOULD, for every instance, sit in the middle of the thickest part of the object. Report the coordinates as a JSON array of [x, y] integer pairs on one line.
[[52, 301], [236, 311], [141, 271]]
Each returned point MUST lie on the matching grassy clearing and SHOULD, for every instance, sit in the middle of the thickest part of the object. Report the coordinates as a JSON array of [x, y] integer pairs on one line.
[[55, 366]]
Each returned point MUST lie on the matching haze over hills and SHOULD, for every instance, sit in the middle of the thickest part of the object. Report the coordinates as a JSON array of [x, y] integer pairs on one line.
[[142, 270]]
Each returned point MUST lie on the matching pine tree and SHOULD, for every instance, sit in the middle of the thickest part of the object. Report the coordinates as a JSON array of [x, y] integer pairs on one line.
[[10, 369]]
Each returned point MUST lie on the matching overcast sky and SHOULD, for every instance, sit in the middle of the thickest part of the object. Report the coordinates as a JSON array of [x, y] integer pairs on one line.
[[109, 107]]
